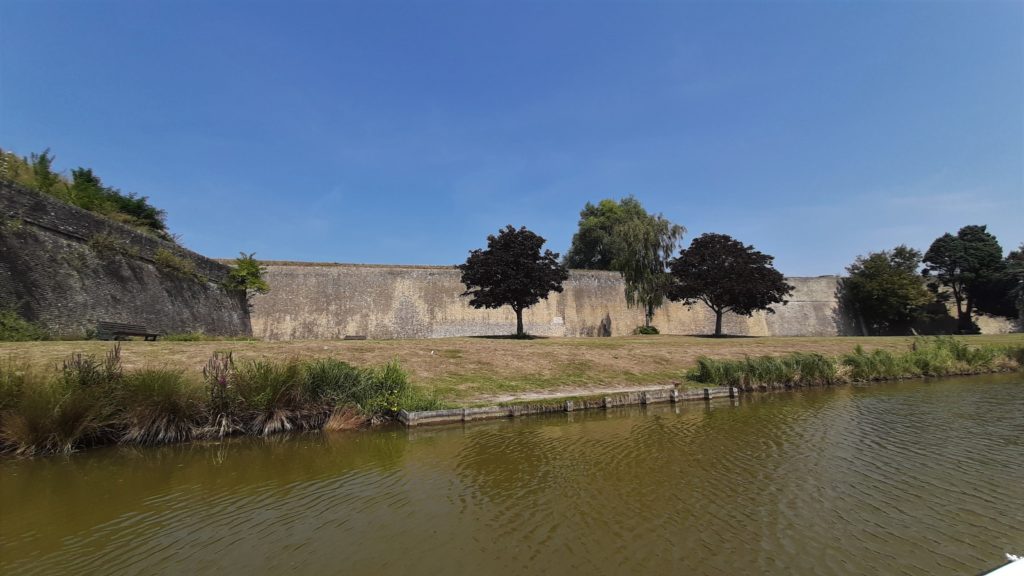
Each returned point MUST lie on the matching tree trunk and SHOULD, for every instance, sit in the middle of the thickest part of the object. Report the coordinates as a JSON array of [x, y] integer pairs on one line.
[[519, 322], [718, 322], [648, 316], [964, 323]]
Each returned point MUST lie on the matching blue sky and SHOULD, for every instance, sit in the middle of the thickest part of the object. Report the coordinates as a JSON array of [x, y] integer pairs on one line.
[[405, 132]]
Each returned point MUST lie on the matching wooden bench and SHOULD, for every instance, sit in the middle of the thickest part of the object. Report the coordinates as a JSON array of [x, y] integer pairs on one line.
[[120, 331]]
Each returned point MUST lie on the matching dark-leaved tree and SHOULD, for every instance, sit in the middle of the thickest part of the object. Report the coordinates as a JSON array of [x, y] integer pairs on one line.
[[885, 290], [1002, 294], [512, 271], [727, 276], [966, 264]]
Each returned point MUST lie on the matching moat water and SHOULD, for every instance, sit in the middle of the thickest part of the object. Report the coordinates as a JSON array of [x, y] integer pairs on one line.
[[908, 478]]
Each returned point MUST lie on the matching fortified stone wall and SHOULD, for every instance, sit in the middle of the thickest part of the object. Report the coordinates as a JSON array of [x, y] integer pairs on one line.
[[313, 301], [68, 268]]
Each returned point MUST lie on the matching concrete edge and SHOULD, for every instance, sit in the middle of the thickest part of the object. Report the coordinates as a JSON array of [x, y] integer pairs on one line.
[[637, 398]]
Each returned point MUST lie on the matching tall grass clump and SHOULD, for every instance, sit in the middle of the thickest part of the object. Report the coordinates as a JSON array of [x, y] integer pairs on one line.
[[92, 400], [273, 397], [159, 406], [761, 371], [878, 365], [717, 372], [49, 415], [941, 356], [815, 369], [88, 372], [1015, 354], [382, 390]]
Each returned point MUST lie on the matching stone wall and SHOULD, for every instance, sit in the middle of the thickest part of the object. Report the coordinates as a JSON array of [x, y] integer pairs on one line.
[[313, 301], [67, 269]]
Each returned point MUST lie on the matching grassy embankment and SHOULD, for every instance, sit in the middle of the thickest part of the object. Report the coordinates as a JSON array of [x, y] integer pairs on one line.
[[53, 399], [470, 371]]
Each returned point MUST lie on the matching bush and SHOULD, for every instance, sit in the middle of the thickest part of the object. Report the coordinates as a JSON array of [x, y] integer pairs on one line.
[[645, 330], [246, 276], [175, 264], [14, 328], [108, 244]]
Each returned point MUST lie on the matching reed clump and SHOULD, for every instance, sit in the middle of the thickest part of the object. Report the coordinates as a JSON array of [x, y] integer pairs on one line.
[[941, 356], [89, 401]]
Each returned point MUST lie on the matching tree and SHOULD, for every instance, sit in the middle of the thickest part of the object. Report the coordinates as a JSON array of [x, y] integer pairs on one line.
[[597, 243], [512, 271], [1002, 294], [623, 237], [964, 263], [647, 245], [247, 276], [885, 290], [727, 276]]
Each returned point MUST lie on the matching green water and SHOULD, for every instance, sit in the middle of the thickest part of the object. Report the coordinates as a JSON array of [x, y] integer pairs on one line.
[[910, 478]]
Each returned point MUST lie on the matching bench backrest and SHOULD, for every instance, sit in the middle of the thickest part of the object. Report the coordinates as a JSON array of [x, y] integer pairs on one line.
[[120, 328]]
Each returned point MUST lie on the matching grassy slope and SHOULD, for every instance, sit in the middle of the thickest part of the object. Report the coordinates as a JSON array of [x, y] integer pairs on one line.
[[474, 370]]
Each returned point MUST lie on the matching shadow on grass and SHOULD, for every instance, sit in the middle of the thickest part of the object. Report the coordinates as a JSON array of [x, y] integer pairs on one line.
[[723, 336], [510, 337]]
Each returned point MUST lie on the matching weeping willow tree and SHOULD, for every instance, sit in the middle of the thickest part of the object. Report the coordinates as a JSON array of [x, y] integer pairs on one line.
[[646, 245], [622, 236]]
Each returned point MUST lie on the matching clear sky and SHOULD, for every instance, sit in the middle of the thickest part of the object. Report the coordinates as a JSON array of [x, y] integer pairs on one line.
[[405, 132]]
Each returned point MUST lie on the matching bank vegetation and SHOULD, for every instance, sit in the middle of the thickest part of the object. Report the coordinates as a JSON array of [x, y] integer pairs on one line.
[[939, 356], [93, 400]]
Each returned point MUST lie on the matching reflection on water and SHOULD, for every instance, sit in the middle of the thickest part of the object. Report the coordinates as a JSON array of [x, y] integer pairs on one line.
[[912, 478]]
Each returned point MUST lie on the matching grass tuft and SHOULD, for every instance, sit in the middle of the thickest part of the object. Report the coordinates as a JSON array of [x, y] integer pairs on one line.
[[159, 407]]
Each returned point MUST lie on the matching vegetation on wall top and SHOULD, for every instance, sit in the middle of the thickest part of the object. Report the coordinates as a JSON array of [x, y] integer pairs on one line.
[[83, 189]]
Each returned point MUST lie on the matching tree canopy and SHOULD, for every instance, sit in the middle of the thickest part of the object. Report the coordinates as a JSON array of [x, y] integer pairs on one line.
[[885, 291], [623, 237], [727, 276], [512, 271], [598, 242], [966, 264], [1002, 293]]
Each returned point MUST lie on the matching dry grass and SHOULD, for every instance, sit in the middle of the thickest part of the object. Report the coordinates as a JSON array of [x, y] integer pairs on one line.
[[475, 370]]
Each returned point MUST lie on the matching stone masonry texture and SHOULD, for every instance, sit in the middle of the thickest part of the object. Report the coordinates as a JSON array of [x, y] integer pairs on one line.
[[309, 301], [51, 273], [55, 272]]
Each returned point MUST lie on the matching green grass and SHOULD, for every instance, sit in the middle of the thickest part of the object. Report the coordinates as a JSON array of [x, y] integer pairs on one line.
[[941, 356]]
